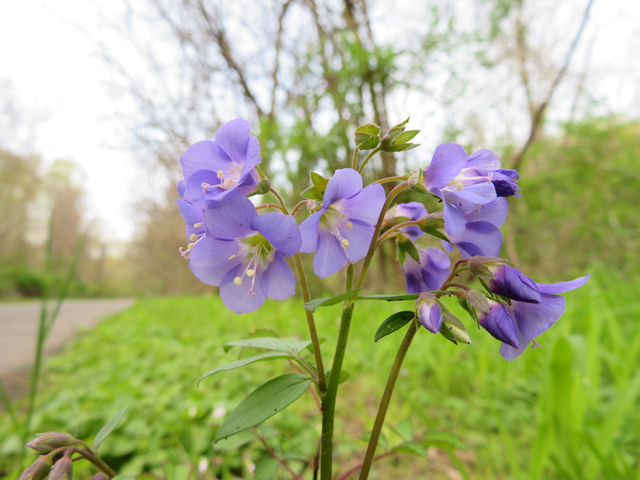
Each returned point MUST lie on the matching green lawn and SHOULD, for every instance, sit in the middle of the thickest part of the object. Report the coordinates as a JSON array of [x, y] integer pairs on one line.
[[568, 410]]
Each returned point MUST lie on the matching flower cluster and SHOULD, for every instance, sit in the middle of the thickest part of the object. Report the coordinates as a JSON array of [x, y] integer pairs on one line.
[[236, 247]]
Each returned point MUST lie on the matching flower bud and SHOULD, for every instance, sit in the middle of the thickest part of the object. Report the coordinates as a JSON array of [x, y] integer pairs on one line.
[[49, 441], [512, 283], [38, 470], [63, 469], [499, 323], [456, 328], [100, 476], [477, 300], [428, 312], [262, 188]]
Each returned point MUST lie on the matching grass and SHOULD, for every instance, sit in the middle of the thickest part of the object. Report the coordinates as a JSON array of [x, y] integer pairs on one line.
[[565, 411]]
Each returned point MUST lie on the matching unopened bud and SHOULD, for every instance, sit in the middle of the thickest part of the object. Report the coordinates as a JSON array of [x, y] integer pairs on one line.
[[429, 312], [479, 269], [262, 187], [414, 178], [476, 299], [100, 476], [49, 441], [63, 469], [459, 334], [38, 470]]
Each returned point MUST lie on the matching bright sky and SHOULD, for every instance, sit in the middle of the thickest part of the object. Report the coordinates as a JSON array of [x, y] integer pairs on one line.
[[57, 74]]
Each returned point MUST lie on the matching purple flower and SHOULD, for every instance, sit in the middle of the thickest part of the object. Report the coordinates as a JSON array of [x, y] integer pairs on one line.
[[244, 256], [532, 320], [486, 162], [413, 211], [500, 324], [481, 235], [342, 229], [429, 274], [462, 188], [212, 169], [429, 313], [513, 284]]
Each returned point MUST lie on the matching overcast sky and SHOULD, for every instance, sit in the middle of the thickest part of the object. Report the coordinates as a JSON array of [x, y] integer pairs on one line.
[[61, 81]]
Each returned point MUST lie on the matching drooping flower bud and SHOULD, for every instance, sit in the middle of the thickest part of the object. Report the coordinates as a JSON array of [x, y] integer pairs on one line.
[[500, 324], [512, 283], [49, 441], [38, 470], [428, 312], [63, 468]]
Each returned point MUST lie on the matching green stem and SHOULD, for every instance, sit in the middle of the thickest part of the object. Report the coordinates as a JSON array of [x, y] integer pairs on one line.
[[386, 399], [366, 160], [391, 383], [329, 401], [9, 407], [355, 158], [313, 332], [280, 200], [392, 179]]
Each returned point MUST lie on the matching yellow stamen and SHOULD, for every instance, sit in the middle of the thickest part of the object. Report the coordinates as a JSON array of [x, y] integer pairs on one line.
[[349, 225], [232, 256], [220, 174], [251, 272], [197, 225], [345, 242], [237, 281], [459, 186], [191, 245], [193, 237]]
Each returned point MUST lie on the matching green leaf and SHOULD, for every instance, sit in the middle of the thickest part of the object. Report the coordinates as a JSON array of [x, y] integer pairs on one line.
[[344, 376], [403, 147], [264, 402], [313, 305], [404, 137], [312, 193], [411, 448], [266, 468], [270, 343], [435, 233], [370, 143], [409, 247], [389, 298], [316, 191], [124, 477], [178, 472], [319, 181], [247, 361], [404, 430], [452, 319], [109, 427], [444, 440], [393, 323], [446, 333], [233, 443], [367, 136]]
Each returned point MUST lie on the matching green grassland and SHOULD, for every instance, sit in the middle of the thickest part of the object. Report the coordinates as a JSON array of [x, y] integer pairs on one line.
[[568, 410]]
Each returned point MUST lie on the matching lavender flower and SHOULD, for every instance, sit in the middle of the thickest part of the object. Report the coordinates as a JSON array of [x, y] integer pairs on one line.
[[481, 235], [413, 211], [429, 313], [212, 169], [342, 229], [505, 181], [498, 321], [429, 274], [462, 189], [245, 253], [532, 320], [513, 284]]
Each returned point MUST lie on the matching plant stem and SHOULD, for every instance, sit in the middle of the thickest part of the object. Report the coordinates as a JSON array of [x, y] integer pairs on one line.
[[298, 206], [358, 467], [9, 407], [269, 205], [392, 179], [366, 160], [313, 332], [391, 383], [275, 455], [282, 205], [329, 401], [355, 158]]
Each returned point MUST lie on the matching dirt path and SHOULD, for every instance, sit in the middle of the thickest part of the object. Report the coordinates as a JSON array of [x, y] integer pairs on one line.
[[19, 325]]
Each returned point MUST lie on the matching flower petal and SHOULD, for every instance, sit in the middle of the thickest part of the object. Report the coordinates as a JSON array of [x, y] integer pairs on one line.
[[182, 184], [233, 137], [359, 237], [479, 238], [210, 259], [345, 183], [468, 199], [253, 154], [309, 232], [494, 212], [484, 160], [231, 217], [447, 162], [330, 257], [563, 287], [278, 281], [192, 215], [280, 230], [204, 155], [512, 283], [365, 206], [413, 276], [194, 191], [238, 297], [500, 325], [454, 221], [509, 353]]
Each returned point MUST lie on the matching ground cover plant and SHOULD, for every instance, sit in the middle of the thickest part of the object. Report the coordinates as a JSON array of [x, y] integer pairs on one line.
[[557, 416]]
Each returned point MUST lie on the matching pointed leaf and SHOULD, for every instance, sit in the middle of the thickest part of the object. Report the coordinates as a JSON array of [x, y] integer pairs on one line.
[[344, 376], [444, 440], [389, 298], [312, 193], [266, 468], [270, 343], [313, 305], [246, 361], [411, 448], [319, 181], [435, 233], [404, 137], [403, 147], [404, 430], [264, 402], [109, 427], [409, 247], [394, 323]]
